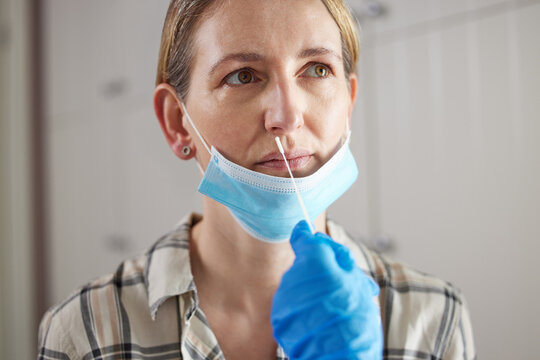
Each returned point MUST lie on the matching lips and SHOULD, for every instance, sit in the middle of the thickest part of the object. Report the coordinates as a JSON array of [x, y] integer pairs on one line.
[[297, 159]]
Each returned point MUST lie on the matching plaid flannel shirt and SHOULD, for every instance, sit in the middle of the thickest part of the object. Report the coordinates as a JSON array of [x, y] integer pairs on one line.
[[148, 309]]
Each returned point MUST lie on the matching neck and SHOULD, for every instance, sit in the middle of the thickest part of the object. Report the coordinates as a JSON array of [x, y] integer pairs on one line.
[[227, 261]]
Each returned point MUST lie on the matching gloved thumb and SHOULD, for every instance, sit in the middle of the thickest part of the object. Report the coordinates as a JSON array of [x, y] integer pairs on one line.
[[343, 255], [346, 261], [302, 238], [300, 234]]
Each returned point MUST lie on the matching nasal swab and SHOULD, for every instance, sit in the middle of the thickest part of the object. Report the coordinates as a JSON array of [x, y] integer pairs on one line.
[[278, 142]]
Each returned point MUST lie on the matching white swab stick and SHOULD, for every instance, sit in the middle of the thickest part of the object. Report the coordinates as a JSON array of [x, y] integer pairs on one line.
[[278, 142]]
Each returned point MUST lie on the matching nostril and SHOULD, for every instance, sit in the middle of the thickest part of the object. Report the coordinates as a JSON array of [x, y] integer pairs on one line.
[[283, 113], [276, 130], [283, 124]]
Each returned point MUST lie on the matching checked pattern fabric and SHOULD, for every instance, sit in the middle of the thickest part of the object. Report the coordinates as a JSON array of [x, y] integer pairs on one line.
[[148, 309]]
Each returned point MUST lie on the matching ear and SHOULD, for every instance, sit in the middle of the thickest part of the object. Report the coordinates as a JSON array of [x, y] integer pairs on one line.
[[353, 87], [169, 114]]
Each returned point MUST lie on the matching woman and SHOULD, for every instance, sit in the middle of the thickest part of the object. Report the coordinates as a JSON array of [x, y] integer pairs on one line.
[[232, 77]]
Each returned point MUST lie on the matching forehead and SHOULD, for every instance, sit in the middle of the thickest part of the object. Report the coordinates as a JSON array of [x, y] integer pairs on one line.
[[266, 27]]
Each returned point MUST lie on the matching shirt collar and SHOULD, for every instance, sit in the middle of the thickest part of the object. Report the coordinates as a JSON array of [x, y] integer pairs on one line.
[[168, 268]]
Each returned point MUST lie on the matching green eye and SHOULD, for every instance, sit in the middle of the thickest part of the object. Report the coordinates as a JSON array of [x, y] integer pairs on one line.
[[240, 77], [318, 70]]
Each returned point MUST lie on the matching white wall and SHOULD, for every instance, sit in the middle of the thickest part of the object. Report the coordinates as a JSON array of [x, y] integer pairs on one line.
[[446, 135], [450, 114], [17, 323], [115, 186]]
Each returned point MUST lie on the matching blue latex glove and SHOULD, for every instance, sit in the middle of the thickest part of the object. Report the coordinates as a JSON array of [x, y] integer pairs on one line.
[[324, 308]]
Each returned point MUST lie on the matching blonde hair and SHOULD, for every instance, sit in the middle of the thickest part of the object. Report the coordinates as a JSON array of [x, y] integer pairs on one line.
[[183, 16]]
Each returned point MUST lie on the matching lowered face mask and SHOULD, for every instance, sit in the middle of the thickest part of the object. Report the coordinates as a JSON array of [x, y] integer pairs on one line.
[[266, 206]]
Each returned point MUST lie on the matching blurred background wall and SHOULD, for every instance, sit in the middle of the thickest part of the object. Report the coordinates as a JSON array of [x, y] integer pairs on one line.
[[446, 133], [18, 223]]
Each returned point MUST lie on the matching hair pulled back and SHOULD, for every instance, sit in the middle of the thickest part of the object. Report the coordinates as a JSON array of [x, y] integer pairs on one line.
[[183, 16]]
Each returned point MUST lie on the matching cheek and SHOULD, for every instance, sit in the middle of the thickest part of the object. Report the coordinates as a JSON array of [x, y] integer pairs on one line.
[[220, 118], [231, 131], [330, 114]]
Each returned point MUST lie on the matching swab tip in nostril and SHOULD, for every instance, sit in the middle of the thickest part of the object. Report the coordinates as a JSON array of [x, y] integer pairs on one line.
[[278, 142]]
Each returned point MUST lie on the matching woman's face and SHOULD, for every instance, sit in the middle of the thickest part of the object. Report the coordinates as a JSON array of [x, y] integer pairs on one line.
[[264, 69]]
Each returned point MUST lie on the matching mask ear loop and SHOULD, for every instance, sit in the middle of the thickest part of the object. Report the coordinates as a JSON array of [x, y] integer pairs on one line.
[[198, 134], [347, 130], [201, 170], [195, 128]]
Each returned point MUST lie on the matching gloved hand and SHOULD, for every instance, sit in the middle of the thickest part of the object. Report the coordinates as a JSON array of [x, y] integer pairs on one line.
[[324, 308]]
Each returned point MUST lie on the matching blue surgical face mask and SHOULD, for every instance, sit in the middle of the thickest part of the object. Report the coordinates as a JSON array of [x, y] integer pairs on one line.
[[266, 206]]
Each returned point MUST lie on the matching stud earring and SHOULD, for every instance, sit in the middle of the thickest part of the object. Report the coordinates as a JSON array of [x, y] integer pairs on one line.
[[186, 150]]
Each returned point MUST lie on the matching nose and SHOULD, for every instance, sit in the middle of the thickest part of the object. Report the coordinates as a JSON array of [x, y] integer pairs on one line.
[[283, 113]]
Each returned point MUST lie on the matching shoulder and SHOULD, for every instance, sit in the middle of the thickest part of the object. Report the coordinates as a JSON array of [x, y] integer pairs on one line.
[[121, 309], [68, 329], [422, 315]]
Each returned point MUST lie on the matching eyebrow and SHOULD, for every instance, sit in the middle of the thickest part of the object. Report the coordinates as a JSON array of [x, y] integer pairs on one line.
[[317, 52], [251, 57], [241, 57]]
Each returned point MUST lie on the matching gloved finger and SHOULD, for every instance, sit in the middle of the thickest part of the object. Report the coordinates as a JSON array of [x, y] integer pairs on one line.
[[300, 233], [346, 261], [319, 248], [374, 287], [343, 255]]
